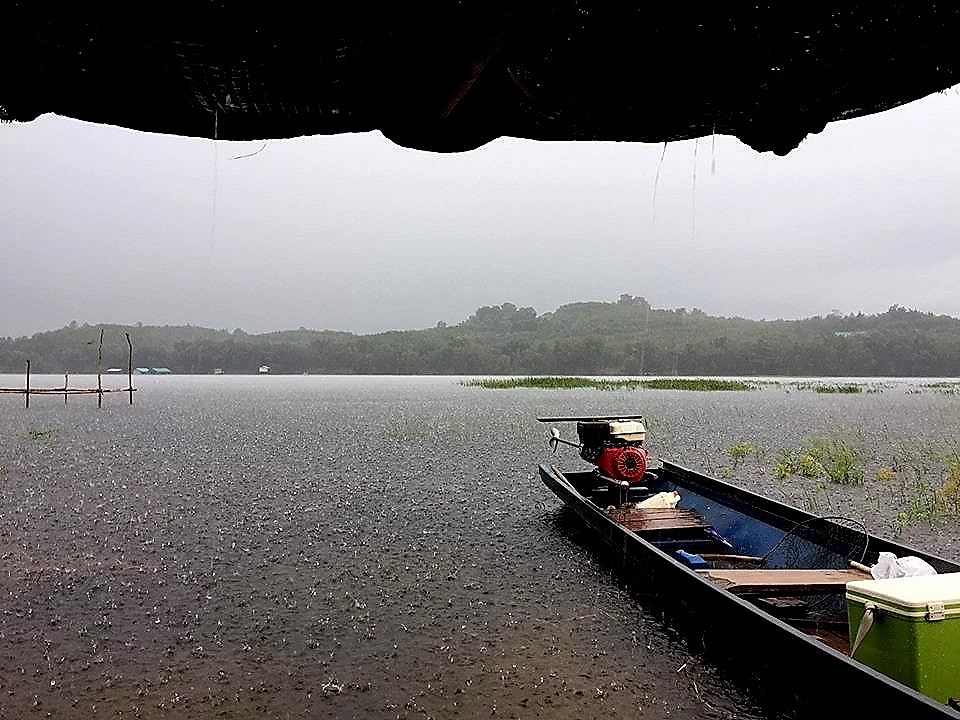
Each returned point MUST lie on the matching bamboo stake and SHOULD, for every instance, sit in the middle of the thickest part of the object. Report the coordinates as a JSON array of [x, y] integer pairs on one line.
[[27, 393], [99, 370], [66, 381], [129, 367]]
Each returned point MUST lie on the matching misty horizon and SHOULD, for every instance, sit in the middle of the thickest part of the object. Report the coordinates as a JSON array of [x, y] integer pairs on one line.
[[353, 233], [835, 312]]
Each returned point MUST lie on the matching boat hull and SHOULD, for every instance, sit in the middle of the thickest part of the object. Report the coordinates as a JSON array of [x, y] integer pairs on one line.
[[783, 667]]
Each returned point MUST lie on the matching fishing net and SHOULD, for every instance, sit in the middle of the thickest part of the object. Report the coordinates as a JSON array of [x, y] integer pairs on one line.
[[827, 541]]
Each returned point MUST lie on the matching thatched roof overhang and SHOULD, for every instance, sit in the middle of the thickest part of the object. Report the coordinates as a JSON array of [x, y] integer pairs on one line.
[[451, 76]]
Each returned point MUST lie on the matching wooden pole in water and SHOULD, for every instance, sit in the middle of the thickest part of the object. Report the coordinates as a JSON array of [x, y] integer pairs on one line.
[[99, 370], [27, 393], [66, 380], [129, 367]]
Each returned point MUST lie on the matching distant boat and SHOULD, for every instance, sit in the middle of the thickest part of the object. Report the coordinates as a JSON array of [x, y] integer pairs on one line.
[[218, 371], [264, 369], [114, 370]]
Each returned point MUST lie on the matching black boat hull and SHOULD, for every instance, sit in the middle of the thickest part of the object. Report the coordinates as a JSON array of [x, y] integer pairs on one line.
[[786, 669]]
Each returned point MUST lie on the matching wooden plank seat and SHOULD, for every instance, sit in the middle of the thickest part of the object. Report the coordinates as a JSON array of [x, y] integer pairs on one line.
[[786, 581], [642, 520], [670, 528]]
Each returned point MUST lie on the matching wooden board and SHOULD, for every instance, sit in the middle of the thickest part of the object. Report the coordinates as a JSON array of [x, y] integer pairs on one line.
[[642, 520], [785, 581]]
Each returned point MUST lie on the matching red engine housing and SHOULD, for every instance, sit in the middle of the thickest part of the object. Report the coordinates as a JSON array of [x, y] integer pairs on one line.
[[623, 463]]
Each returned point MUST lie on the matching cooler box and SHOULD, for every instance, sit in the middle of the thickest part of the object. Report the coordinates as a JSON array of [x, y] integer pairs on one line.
[[915, 637]]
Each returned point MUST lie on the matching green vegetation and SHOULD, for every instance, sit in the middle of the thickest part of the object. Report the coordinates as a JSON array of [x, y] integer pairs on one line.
[[39, 434], [948, 494], [566, 383], [706, 384], [552, 383], [625, 338], [885, 474], [845, 388], [929, 487], [923, 480], [849, 388], [944, 387], [832, 459], [741, 450]]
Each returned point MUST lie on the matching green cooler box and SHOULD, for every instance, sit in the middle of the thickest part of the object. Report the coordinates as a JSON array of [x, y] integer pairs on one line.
[[915, 634]]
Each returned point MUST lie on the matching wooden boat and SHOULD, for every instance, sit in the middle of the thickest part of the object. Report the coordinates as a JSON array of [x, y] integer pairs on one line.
[[754, 583]]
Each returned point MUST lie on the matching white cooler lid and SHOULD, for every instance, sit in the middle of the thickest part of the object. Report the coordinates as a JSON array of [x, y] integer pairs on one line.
[[909, 592]]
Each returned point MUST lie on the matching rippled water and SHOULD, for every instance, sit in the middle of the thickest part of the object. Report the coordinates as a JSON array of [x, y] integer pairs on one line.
[[352, 547]]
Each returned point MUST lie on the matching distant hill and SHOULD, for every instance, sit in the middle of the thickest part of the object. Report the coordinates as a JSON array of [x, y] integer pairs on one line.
[[625, 337]]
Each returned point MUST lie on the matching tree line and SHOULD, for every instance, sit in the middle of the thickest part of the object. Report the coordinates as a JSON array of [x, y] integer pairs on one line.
[[623, 337]]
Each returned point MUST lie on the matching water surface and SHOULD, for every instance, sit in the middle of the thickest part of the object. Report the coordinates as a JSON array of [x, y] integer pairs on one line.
[[314, 546]]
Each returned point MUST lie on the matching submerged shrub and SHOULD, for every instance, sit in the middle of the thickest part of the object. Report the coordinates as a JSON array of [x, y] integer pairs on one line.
[[695, 384], [797, 462], [561, 383], [947, 496], [841, 464], [885, 474], [833, 459], [930, 501], [922, 506], [552, 383], [741, 450], [849, 388]]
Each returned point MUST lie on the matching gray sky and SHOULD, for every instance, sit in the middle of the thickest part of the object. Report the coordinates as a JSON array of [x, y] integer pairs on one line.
[[351, 232]]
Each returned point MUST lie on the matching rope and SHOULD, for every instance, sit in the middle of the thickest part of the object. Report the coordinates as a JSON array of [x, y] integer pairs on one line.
[[866, 622]]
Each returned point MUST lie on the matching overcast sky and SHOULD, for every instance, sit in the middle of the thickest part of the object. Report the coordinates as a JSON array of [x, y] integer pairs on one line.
[[350, 232]]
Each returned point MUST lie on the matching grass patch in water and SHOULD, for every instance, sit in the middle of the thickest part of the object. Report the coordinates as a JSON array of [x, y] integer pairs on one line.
[[850, 388], [840, 388], [565, 383], [933, 493], [696, 384], [832, 459], [552, 383], [740, 450], [946, 388]]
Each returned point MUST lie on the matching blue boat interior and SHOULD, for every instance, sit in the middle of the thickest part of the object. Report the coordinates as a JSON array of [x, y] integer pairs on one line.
[[796, 570]]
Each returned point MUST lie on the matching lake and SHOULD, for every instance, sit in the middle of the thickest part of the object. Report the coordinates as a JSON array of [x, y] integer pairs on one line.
[[381, 547]]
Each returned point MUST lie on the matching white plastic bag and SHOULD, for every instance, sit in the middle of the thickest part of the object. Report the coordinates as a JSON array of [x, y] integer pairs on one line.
[[890, 566], [912, 566], [661, 500]]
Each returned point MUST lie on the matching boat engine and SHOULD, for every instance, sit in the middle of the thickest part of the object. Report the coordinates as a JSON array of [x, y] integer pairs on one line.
[[616, 447]]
